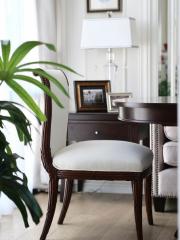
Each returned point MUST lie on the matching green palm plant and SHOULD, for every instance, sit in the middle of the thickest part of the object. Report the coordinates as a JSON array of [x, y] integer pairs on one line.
[[13, 182], [12, 72]]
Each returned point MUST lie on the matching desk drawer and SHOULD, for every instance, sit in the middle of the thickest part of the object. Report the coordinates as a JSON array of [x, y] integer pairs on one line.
[[102, 130]]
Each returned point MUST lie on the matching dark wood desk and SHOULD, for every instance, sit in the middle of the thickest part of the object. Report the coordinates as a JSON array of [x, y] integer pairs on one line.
[[97, 126], [162, 110]]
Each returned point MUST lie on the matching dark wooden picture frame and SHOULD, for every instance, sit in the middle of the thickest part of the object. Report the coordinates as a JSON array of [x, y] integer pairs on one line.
[[105, 6], [91, 95]]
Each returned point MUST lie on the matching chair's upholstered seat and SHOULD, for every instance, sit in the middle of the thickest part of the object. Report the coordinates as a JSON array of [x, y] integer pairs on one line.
[[103, 155]]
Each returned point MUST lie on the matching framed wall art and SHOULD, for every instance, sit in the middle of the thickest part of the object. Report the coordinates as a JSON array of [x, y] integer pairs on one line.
[[115, 97], [91, 95], [103, 5]]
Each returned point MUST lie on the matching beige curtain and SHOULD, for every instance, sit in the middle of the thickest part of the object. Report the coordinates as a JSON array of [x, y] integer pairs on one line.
[[20, 27], [49, 27], [49, 30]]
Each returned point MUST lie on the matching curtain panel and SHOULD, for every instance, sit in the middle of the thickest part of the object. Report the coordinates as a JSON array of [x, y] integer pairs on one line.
[[24, 21], [49, 26]]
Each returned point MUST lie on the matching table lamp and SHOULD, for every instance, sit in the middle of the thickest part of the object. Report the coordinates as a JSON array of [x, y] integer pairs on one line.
[[108, 33]]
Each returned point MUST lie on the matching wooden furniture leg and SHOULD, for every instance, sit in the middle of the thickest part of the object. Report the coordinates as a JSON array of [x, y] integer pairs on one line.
[[138, 207], [62, 190], [53, 191], [148, 199], [159, 204], [66, 200]]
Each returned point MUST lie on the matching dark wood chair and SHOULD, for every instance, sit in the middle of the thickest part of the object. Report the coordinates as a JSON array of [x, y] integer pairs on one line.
[[95, 160]]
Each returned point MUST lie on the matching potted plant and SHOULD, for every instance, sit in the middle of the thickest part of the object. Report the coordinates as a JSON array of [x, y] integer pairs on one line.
[[164, 88], [13, 182]]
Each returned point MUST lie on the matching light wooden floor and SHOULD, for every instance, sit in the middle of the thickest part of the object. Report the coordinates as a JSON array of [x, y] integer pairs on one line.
[[92, 216]]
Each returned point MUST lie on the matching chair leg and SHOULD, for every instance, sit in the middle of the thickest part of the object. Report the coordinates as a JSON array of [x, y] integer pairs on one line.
[[176, 234], [132, 187], [138, 207], [62, 190], [80, 185], [66, 200], [52, 195], [148, 199]]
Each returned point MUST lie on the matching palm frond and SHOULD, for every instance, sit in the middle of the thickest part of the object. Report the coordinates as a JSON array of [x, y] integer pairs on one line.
[[5, 48], [57, 65], [44, 74], [25, 96], [23, 50], [39, 85]]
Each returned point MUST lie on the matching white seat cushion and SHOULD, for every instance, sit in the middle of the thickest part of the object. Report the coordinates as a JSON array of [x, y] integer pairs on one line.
[[168, 182], [170, 153], [104, 155], [171, 133]]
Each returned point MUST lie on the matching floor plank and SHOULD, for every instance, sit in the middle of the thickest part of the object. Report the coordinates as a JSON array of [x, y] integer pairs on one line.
[[91, 216]]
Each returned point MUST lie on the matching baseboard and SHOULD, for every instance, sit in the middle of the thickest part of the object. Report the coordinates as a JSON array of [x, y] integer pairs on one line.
[[97, 186], [107, 187]]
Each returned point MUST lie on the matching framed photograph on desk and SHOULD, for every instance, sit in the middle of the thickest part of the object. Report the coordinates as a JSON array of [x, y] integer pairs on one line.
[[115, 97], [91, 95]]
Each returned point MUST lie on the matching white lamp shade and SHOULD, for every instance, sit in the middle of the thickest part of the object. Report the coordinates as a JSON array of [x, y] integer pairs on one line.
[[108, 33]]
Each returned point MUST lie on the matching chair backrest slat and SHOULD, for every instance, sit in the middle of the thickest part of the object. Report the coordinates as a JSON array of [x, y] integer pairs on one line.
[[54, 130], [46, 130]]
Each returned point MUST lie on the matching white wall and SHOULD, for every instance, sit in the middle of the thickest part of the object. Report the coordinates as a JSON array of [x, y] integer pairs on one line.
[[141, 61]]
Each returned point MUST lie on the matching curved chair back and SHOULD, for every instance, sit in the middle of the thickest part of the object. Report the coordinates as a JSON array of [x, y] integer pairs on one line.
[[54, 130], [91, 160]]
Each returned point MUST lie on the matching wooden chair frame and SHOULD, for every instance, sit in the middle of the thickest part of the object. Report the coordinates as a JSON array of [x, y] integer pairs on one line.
[[55, 175]]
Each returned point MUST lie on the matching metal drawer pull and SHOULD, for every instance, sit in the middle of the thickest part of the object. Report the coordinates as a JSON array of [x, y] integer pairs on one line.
[[96, 132]]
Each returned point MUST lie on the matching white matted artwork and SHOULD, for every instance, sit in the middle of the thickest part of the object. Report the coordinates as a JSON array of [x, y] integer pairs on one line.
[[103, 5], [112, 98]]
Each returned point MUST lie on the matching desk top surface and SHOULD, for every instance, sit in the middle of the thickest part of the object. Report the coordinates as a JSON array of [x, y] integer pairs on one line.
[[147, 102], [162, 110]]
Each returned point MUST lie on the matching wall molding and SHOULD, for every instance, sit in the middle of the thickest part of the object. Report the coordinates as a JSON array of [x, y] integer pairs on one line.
[[155, 48], [144, 73], [148, 50]]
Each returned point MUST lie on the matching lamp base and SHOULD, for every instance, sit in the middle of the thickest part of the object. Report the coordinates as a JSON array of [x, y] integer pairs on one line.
[[110, 68]]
